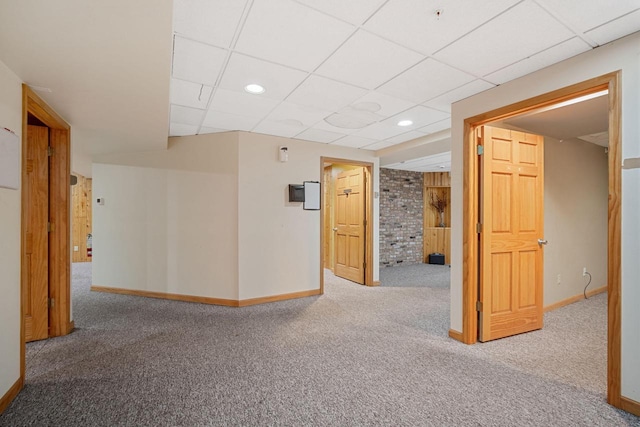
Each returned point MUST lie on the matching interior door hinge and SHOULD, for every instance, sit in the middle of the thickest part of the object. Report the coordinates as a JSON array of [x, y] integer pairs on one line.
[[364, 222], [478, 306], [51, 302], [50, 151], [50, 227], [480, 150], [364, 265], [478, 228]]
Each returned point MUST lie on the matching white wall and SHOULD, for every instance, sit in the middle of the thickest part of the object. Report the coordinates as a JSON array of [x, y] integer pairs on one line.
[[279, 242], [575, 217], [210, 217], [11, 118], [622, 55], [169, 221]]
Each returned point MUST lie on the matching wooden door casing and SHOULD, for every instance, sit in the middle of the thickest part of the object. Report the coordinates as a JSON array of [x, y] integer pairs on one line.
[[350, 233], [512, 217]]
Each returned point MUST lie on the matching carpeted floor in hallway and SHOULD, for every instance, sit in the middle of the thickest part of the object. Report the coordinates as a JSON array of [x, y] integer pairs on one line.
[[354, 356]]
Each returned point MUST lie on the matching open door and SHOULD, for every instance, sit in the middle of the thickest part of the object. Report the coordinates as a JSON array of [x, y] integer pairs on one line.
[[36, 240], [350, 225], [512, 232]]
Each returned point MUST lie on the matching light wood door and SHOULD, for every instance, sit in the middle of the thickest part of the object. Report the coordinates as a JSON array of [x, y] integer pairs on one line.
[[350, 223], [512, 212], [36, 239]]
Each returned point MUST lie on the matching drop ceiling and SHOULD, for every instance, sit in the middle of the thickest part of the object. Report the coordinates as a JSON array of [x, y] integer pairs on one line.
[[345, 73], [126, 74]]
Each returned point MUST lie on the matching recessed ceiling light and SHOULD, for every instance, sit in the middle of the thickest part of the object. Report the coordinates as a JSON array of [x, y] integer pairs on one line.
[[254, 88], [405, 123]]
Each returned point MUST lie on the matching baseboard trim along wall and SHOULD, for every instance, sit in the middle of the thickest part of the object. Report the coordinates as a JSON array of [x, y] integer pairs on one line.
[[630, 405], [11, 394], [574, 298], [456, 335], [207, 300]]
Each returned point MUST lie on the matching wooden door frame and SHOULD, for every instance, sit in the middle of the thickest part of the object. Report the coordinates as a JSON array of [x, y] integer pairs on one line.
[[470, 255], [59, 214], [368, 256]]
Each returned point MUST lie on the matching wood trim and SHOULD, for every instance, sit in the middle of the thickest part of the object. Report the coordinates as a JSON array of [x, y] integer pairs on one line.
[[36, 106], [276, 298], [164, 295], [11, 394], [368, 280], [456, 335], [574, 298], [610, 81], [374, 283], [206, 300], [71, 326], [614, 245], [628, 405]]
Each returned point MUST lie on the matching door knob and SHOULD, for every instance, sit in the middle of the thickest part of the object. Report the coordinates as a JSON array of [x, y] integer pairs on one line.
[[542, 242], [335, 228]]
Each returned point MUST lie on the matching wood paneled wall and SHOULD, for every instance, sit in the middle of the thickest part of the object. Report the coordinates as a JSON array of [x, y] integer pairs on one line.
[[436, 238], [81, 205]]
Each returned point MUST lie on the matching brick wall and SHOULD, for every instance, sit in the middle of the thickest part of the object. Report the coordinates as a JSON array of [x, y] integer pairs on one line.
[[400, 217]]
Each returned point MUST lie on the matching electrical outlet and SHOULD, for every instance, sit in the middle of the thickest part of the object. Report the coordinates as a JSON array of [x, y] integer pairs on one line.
[[75, 249], [559, 279], [584, 271]]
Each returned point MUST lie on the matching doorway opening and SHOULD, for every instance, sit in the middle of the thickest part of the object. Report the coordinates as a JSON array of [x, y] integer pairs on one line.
[[346, 229], [45, 223], [472, 252]]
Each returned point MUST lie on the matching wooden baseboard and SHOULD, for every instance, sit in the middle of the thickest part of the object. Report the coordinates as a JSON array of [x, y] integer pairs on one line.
[[163, 295], [207, 300], [456, 335], [275, 298], [71, 326], [630, 405], [574, 298], [375, 283], [11, 394]]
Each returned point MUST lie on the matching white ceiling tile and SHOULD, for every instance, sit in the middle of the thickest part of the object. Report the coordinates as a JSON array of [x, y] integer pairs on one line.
[[614, 30], [186, 115], [435, 163], [326, 126], [584, 15], [241, 103], [319, 135], [407, 136], [426, 80], [381, 104], [227, 121], [379, 145], [210, 21], [287, 111], [289, 33], [443, 102], [419, 115], [353, 11], [353, 141], [285, 129], [378, 131], [277, 80], [190, 94], [436, 127], [180, 129], [206, 130], [520, 32], [197, 62], [323, 93], [413, 23], [543, 59], [367, 60]]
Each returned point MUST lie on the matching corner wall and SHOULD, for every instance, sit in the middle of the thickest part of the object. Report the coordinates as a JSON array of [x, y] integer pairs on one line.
[[10, 207], [624, 55], [576, 184], [169, 220]]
